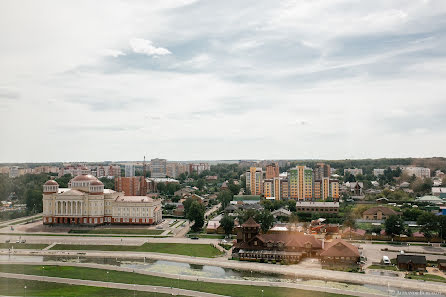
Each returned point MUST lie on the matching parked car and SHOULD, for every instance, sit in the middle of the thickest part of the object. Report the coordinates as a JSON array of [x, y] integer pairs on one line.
[[17, 241], [194, 238], [23, 241], [386, 260], [7, 241]]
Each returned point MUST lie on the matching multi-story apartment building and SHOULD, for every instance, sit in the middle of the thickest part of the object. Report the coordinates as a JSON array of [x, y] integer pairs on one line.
[[417, 171], [131, 186], [354, 171], [199, 167], [272, 170], [277, 188], [158, 167], [129, 170], [268, 188], [13, 171], [322, 170], [254, 180], [284, 188], [378, 171], [74, 170], [300, 180]]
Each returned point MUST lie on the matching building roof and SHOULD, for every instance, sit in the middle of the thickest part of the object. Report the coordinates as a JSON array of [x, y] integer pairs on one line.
[[281, 212], [317, 204], [415, 259], [246, 197], [290, 240], [51, 183], [84, 177], [384, 210], [72, 192], [250, 223], [360, 232], [429, 198], [96, 183], [340, 248], [133, 199]]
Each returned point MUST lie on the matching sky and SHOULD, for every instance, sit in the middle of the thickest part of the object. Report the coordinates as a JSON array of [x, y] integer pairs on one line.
[[204, 80]]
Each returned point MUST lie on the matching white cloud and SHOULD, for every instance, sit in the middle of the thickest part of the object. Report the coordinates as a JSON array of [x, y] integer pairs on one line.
[[113, 53], [143, 46]]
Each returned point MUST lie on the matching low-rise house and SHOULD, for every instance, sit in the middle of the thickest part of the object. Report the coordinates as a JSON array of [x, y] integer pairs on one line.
[[184, 192], [439, 192], [321, 207], [339, 252], [378, 213], [283, 246], [214, 226], [430, 199], [411, 262], [354, 233], [211, 178], [281, 212], [441, 264]]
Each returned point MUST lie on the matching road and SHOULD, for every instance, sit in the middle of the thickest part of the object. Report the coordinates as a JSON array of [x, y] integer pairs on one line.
[[325, 289], [7, 223], [297, 271], [90, 283]]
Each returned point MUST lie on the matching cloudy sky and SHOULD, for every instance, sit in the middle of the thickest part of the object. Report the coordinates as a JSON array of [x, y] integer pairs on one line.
[[187, 80]]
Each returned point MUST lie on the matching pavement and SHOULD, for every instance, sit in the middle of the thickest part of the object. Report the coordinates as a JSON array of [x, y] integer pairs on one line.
[[168, 290], [296, 271], [110, 285]]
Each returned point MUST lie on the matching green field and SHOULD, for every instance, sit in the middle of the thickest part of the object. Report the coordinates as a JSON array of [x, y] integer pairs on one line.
[[135, 278], [21, 246], [119, 231], [427, 277], [16, 287], [194, 250]]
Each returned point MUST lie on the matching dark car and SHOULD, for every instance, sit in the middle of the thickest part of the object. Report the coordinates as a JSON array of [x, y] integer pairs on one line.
[[194, 238]]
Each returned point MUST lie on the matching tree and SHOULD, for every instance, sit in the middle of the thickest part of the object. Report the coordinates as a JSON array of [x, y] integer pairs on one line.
[[224, 197], [291, 204], [394, 225], [161, 187], [196, 214], [227, 223], [200, 184], [235, 189], [442, 226], [34, 202], [265, 219], [412, 214], [350, 222], [429, 224]]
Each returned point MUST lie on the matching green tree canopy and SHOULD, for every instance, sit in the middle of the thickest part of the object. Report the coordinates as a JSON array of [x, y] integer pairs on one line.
[[196, 214], [227, 223], [394, 225]]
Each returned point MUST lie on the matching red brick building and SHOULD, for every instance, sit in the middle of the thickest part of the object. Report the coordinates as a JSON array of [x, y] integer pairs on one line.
[[131, 186]]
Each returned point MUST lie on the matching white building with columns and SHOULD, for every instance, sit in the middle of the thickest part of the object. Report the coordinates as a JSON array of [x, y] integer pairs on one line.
[[86, 202]]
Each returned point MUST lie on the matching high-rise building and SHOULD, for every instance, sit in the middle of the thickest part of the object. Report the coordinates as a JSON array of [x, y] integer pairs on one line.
[[254, 180], [354, 171], [158, 167], [322, 170], [334, 189], [131, 186], [268, 188], [300, 181], [272, 171], [129, 170], [13, 171], [276, 188], [284, 189]]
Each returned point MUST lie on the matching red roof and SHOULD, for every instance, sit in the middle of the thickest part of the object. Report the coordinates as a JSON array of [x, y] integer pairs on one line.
[[340, 248], [51, 183], [250, 223], [84, 177]]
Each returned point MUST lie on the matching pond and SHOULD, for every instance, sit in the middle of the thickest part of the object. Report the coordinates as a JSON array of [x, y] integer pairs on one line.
[[177, 268]]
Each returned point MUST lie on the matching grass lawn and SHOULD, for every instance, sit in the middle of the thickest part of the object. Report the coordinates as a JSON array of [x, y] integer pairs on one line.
[[427, 277], [33, 246], [195, 250], [119, 231], [128, 277], [384, 267], [16, 287]]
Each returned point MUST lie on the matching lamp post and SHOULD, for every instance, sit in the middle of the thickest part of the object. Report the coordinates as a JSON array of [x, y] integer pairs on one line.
[[25, 290], [43, 270], [107, 275], [262, 292]]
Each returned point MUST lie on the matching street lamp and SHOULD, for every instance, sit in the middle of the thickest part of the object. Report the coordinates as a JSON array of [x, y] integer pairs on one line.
[[43, 270], [107, 275], [262, 292], [25, 290]]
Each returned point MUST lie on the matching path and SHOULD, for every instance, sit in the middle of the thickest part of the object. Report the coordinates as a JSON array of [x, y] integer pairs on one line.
[[296, 271], [7, 223], [204, 279], [90, 283]]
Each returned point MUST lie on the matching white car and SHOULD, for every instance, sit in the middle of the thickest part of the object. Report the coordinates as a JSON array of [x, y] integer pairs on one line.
[[386, 260]]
